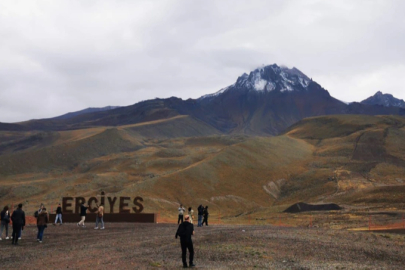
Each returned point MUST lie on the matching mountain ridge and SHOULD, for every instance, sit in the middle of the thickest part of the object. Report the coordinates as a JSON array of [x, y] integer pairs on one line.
[[264, 102], [386, 100], [87, 110]]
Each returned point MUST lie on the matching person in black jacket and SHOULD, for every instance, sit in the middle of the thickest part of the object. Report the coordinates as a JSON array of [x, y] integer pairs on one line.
[[58, 215], [83, 213], [18, 218], [205, 216], [5, 220], [185, 231], [200, 210]]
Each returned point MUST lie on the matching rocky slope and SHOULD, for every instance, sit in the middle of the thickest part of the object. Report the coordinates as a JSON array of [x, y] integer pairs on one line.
[[386, 100]]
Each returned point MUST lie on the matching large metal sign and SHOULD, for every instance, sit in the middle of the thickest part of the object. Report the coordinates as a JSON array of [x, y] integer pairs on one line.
[[119, 209], [124, 204]]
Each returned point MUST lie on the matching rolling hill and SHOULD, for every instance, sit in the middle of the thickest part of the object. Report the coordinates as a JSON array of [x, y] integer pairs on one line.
[[351, 160]]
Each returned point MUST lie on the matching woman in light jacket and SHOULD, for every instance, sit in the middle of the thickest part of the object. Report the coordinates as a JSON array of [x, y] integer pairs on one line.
[[99, 217]]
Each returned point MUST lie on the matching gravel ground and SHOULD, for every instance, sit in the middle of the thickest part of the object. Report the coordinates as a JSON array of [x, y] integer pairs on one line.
[[149, 246]]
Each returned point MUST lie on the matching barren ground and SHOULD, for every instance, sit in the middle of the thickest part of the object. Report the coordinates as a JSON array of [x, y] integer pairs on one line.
[[149, 246]]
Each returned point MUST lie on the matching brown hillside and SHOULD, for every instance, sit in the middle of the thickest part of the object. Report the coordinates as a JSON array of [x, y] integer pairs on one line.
[[349, 160], [360, 153]]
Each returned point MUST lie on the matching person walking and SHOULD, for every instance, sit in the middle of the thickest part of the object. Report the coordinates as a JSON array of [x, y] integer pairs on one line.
[[191, 214], [99, 217], [185, 231], [205, 215], [5, 220], [83, 213], [200, 211], [18, 218], [58, 215], [181, 213], [39, 210], [42, 222]]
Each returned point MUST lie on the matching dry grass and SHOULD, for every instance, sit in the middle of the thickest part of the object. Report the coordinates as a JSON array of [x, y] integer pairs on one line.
[[342, 159]]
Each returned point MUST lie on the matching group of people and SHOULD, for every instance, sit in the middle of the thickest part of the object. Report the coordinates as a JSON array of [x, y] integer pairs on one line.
[[202, 215], [18, 219], [99, 216], [186, 230]]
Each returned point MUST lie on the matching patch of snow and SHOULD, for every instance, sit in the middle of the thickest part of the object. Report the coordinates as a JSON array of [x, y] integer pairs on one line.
[[216, 93], [303, 82], [287, 87], [285, 78], [271, 86], [257, 81], [260, 84], [275, 69]]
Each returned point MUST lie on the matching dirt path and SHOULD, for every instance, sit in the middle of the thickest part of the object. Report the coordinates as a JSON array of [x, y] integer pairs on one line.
[[149, 246]]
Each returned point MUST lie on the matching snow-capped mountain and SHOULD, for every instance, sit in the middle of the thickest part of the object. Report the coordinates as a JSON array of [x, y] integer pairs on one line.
[[274, 78], [266, 101], [386, 100], [267, 79]]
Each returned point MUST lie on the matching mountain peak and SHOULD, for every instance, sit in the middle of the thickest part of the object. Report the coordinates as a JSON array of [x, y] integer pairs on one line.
[[386, 100], [273, 77]]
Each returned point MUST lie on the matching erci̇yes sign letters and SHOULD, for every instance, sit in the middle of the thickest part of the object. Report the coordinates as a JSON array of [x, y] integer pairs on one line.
[[123, 204]]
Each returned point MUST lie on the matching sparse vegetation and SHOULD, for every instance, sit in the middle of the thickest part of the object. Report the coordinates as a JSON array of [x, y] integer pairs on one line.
[[348, 160]]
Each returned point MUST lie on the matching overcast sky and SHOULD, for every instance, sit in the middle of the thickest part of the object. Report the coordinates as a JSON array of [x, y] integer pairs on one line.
[[63, 56]]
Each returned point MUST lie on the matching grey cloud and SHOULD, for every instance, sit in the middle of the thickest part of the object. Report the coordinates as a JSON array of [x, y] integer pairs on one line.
[[68, 55]]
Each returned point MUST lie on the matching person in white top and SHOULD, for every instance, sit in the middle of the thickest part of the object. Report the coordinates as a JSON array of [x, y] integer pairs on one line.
[[181, 213]]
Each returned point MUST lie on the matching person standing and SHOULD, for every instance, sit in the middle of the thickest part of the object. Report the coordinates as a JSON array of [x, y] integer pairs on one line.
[[5, 220], [185, 231], [58, 215], [39, 210], [191, 214], [83, 213], [42, 221], [200, 211], [18, 218], [181, 213], [99, 217], [205, 215]]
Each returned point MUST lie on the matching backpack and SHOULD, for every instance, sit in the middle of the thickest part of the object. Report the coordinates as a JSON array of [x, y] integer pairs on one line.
[[36, 214], [6, 218]]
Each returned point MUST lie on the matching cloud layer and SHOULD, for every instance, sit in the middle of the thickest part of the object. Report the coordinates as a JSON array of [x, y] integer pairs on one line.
[[62, 56]]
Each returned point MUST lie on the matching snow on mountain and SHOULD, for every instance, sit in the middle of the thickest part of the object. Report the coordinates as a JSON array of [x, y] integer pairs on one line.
[[269, 78], [217, 93]]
